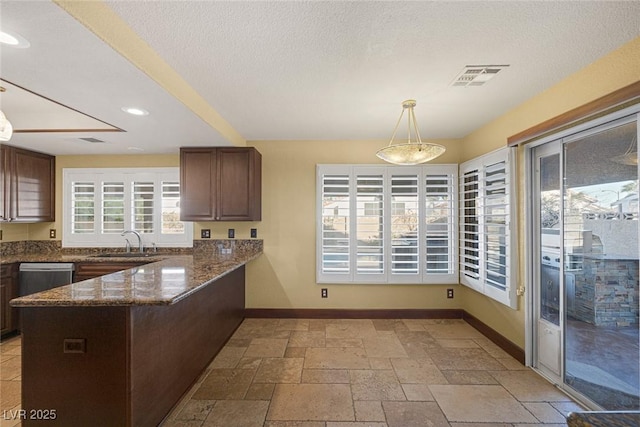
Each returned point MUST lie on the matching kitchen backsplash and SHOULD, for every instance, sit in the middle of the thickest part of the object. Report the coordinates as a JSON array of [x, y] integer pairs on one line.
[[46, 246], [29, 247]]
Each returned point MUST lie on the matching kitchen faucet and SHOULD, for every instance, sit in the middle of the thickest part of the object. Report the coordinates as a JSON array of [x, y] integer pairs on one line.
[[137, 235]]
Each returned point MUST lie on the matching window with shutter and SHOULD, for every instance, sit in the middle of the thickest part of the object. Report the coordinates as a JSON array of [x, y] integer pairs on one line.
[[405, 257], [112, 207], [99, 204], [440, 225], [82, 207], [370, 224], [486, 222], [335, 224], [143, 209], [403, 222], [171, 223]]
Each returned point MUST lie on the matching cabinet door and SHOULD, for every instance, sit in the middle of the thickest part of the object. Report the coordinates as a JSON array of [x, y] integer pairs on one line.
[[5, 310], [90, 270], [8, 291], [32, 194], [197, 191], [239, 184]]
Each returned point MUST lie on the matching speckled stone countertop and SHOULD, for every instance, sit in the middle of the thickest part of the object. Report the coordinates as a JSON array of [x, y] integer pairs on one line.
[[604, 419], [166, 281]]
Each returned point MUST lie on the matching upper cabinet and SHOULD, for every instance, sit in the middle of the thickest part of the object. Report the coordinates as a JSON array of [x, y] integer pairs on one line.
[[220, 184], [27, 185]]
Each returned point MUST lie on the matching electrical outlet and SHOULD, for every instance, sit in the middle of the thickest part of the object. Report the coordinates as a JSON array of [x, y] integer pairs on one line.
[[254, 233], [52, 233], [74, 345], [324, 293], [0, 234], [449, 293], [205, 233], [232, 233]]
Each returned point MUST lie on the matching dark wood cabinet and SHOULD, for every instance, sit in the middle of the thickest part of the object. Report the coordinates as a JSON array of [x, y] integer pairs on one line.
[[27, 183], [139, 361], [8, 291], [89, 270], [220, 184]]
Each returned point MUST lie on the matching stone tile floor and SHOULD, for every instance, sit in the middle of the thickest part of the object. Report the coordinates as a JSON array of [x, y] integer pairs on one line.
[[343, 373], [10, 379]]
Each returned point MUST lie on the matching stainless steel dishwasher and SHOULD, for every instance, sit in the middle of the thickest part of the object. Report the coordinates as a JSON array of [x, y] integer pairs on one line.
[[38, 277]]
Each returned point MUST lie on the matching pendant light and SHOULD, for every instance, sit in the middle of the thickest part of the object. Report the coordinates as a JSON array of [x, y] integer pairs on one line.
[[6, 130], [410, 152]]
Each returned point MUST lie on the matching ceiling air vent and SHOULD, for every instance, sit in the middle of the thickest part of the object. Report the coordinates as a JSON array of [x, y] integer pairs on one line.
[[92, 140], [477, 75]]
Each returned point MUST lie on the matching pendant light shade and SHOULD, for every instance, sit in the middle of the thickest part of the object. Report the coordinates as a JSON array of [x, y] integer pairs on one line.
[[410, 152], [6, 130]]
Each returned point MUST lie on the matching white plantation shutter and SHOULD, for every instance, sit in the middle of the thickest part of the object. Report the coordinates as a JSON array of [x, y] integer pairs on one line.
[[387, 224], [335, 224], [370, 228], [487, 220], [82, 207], [405, 251], [99, 204], [441, 226], [170, 222], [143, 206], [469, 229], [113, 207]]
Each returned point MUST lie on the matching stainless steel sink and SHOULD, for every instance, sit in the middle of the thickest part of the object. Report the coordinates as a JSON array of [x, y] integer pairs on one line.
[[123, 255]]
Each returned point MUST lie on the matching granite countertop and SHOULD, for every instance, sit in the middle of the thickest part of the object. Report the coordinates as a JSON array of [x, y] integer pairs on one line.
[[604, 419], [166, 281]]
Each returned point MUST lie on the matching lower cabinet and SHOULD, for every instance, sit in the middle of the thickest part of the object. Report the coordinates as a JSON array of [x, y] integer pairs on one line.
[[8, 291], [89, 270]]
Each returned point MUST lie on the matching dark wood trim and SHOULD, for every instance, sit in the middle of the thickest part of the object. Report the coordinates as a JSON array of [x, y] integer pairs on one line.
[[514, 351], [618, 99], [114, 128], [319, 313]]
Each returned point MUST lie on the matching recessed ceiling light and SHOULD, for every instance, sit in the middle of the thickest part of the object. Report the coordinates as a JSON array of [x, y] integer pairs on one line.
[[12, 39], [135, 111]]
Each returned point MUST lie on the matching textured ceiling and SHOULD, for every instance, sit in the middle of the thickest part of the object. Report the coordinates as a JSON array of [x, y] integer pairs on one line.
[[313, 70]]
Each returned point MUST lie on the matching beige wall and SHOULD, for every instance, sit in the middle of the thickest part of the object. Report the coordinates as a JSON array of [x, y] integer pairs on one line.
[[284, 276], [616, 70]]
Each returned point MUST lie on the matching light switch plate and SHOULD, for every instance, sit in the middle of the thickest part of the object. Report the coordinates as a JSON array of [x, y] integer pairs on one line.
[[254, 233], [232, 233]]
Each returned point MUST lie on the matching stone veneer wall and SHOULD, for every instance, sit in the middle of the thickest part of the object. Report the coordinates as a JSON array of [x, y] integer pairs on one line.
[[607, 293]]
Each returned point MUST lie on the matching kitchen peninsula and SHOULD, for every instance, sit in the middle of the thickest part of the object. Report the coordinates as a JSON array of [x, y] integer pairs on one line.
[[122, 349]]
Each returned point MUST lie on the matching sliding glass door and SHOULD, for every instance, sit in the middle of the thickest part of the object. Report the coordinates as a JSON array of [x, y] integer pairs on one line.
[[585, 265]]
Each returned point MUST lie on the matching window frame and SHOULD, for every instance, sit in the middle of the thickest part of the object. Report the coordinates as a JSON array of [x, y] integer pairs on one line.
[[353, 171], [128, 176], [480, 283]]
